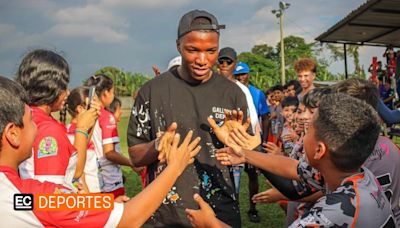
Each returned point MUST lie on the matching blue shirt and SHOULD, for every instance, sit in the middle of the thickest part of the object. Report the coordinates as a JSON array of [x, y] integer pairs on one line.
[[259, 100]]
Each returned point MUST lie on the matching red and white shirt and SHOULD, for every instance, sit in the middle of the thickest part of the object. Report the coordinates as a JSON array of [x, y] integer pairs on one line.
[[92, 174], [106, 132], [11, 183], [53, 155]]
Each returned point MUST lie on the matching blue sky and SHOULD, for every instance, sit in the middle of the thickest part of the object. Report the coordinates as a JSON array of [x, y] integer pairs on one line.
[[136, 34]]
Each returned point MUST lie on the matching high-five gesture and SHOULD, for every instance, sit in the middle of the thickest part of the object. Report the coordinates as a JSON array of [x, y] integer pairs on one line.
[[231, 122], [243, 139], [181, 156], [228, 156], [164, 141]]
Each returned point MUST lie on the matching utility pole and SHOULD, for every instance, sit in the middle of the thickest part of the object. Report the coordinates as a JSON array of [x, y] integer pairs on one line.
[[279, 14]]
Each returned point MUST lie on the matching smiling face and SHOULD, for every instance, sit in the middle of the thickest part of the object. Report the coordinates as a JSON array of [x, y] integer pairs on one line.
[[199, 51], [306, 79], [288, 112]]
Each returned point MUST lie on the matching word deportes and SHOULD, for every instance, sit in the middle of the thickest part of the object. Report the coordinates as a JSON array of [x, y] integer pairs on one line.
[[63, 202]]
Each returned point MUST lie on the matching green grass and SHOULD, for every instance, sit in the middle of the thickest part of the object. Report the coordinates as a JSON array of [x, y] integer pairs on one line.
[[271, 214]]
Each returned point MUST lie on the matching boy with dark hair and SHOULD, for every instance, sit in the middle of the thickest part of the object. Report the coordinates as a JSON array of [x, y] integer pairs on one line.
[[340, 137], [289, 106], [18, 132]]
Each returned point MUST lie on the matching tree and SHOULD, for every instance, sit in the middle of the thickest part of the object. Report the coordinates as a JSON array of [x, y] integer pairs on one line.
[[263, 71], [126, 83], [265, 50], [337, 53]]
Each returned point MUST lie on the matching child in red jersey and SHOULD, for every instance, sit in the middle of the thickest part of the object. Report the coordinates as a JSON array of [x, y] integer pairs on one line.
[[76, 104], [106, 139], [45, 77], [18, 131]]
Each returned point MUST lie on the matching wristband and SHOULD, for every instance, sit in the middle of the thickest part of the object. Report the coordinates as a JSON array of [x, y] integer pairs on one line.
[[82, 132]]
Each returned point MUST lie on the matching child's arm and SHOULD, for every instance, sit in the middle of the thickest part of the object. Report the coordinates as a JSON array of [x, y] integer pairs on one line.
[[85, 121], [276, 164], [114, 156], [140, 208]]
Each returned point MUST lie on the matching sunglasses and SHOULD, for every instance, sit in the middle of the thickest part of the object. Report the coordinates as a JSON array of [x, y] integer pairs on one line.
[[228, 61]]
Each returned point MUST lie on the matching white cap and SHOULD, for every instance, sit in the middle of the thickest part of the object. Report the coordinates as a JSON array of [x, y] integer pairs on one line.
[[177, 61]]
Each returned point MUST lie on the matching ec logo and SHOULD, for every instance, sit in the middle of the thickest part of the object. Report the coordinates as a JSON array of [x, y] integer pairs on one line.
[[23, 202]]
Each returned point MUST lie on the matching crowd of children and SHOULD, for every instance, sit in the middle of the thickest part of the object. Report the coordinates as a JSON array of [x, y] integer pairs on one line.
[[321, 150]]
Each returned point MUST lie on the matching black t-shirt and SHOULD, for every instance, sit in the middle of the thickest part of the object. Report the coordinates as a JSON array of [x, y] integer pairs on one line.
[[166, 99]]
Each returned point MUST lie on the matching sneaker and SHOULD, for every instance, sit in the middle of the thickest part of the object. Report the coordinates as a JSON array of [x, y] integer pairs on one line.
[[253, 216]]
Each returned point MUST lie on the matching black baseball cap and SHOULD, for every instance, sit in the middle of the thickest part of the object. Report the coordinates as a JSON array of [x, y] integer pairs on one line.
[[185, 24], [227, 52]]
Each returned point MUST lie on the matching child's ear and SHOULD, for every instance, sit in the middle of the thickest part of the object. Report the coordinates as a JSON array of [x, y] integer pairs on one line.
[[12, 134], [321, 151]]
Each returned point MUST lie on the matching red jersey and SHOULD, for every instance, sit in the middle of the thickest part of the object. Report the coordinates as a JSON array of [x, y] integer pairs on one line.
[[11, 183], [52, 151], [106, 132]]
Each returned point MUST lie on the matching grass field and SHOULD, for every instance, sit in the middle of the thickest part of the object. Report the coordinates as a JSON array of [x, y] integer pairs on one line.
[[271, 214]]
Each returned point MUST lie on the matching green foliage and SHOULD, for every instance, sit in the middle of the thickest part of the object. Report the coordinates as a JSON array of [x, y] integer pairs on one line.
[[263, 71], [126, 83], [265, 61]]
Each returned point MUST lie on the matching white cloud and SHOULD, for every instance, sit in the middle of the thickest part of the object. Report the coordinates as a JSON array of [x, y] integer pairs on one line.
[[89, 14], [98, 33], [145, 4], [93, 21]]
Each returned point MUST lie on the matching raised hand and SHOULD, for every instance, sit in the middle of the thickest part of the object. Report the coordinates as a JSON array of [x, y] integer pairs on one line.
[[229, 156], [164, 141], [243, 139], [269, 196], [203, 217], [231, 122], [181, 156], [271, 148]]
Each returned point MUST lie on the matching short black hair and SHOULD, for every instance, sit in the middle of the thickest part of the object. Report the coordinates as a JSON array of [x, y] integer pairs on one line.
[[314, 96], [12, 104], [44, 74], [290, 101], [277, 87], [296, 84], [349, 127], [114, 105], [359, 88]]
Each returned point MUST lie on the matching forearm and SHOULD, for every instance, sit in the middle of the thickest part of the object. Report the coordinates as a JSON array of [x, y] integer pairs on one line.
[[143, 154], [312, 198], [80, 144], [141, 207], [265, 127], [276, 164], [117, 158], [389, 116]]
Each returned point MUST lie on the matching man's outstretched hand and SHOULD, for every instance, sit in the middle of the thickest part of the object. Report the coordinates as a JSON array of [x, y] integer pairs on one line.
[[231, 122]]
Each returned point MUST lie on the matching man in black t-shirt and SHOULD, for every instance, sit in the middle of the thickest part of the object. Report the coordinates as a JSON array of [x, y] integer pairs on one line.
[[180, 100]]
